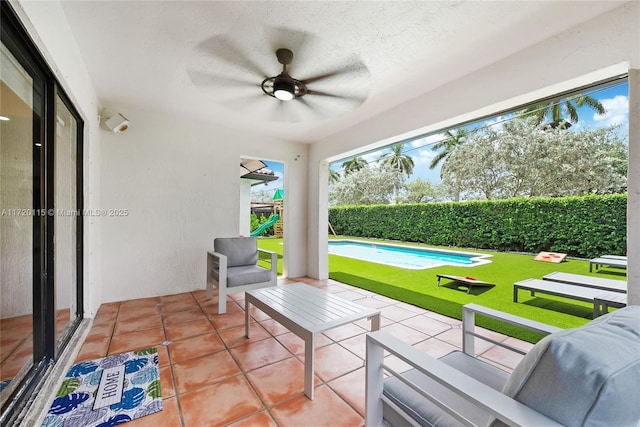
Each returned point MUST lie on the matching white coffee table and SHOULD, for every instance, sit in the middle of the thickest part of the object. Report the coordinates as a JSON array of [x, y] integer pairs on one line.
[[307, 311]]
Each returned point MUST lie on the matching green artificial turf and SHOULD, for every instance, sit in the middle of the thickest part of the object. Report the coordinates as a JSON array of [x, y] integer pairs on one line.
[[418, 287]]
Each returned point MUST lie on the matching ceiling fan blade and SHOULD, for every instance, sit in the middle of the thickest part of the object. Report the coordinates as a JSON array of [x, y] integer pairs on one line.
[[357, 68], [354, 98], [200, 78], [222, 47]]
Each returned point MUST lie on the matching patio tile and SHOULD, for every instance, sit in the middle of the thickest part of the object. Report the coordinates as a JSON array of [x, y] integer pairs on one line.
[[351, 387], [94, 348], [220, 403], [356, 345], [193, 347], [177, 306], [186, 330], [228, 320], [405, 333], [190, 315], [345, 331], [274, 327], [195, 373], [333, 361], [350, 295], [139, 304], [397, 314], [295, 344], [426, 324], [262, 419], [454, 337], [163, 355], [253, 355], [236, 336], [128, 314], [136, 340], [279, 381], [503, 357], [326, 410], [443, 319], [138, 324], [166, 382], [435, 347]]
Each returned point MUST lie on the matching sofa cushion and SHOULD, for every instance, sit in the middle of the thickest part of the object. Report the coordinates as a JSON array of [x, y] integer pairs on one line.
[[586, 376], [426, 413], [238, 250], [247, 275]]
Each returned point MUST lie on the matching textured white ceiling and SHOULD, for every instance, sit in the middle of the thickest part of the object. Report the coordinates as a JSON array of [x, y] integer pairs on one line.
[[206, 59]]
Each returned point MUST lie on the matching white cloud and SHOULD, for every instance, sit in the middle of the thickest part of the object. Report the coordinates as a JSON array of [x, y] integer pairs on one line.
[[617, 111]]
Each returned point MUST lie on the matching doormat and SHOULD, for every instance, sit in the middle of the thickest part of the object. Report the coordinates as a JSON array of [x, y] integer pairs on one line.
[[108, 391]]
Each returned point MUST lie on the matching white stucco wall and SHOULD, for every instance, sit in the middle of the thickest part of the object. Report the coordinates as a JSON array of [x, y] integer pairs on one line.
[[179, 181], [604, 47]]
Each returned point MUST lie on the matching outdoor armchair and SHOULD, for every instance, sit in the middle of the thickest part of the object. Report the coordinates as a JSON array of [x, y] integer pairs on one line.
[[233, 267], [576, 377]]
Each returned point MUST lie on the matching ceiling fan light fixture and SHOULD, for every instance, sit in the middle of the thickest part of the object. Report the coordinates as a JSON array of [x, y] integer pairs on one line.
[[283, 89]]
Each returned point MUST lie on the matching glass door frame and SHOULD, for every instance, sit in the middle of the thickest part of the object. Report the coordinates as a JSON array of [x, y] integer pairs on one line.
[[46, 346]]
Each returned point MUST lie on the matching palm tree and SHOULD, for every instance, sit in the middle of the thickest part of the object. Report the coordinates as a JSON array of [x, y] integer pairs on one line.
[[354, 164], [397, 160], [446, 146], [334, 176], [554, 112]]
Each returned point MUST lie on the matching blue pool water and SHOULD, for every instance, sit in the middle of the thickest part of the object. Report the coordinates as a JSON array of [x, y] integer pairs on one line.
[[404, 256]]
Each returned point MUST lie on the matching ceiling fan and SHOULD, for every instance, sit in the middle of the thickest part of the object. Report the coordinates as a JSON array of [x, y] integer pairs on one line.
[[286, 88], [340, 84]]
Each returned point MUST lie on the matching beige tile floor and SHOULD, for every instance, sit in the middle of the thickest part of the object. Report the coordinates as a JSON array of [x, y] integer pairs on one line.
[[213, 376]]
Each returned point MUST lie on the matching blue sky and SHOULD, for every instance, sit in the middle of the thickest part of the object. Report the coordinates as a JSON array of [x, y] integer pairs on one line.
[[613, 98]]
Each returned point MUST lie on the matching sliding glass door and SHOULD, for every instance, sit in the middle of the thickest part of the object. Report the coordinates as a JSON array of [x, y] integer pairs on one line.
[[40, 217]]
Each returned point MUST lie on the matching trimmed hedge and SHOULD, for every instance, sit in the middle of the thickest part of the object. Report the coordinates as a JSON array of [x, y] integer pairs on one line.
[[583, 227]]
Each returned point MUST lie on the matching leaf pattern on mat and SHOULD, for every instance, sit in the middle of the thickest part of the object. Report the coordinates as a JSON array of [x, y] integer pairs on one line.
[[68, 403], [114, 421], [146, 351], [93, 378], [69, 386], [152, 408], [154, 390], [115, 360], [82, 368], [85, 416], [53, 421], [145, 376], [134, 365], [130, 399]]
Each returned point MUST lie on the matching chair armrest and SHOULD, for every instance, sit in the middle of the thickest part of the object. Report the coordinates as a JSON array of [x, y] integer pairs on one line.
[[219, 260], [484, 397], [468, 326], [273, 259]]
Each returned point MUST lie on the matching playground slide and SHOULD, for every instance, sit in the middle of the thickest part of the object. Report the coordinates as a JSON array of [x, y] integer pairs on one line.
[[266, 225]]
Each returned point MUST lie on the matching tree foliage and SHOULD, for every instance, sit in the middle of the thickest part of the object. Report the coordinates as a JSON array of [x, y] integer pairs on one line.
[[446, 146], [554, 112], [366, 186], [528, 159], [355, 164], [421, 191], [397, 160]]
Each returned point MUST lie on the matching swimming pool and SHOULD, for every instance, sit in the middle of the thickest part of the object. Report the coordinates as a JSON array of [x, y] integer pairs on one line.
[[405, 256]]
